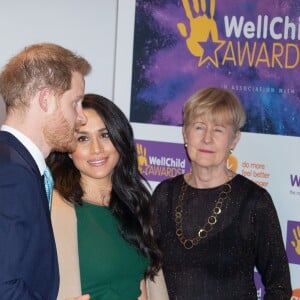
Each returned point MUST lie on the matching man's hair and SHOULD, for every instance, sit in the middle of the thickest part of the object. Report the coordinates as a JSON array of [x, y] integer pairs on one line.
[[38, 66]]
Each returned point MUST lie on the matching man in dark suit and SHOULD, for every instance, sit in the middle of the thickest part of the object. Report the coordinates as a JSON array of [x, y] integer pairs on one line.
[[42, 88]]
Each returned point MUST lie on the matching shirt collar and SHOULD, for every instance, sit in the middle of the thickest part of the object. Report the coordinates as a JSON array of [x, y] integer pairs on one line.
[[29, 145]]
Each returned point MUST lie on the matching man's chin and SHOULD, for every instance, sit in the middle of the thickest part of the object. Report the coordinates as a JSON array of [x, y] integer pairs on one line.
[[68, 147]]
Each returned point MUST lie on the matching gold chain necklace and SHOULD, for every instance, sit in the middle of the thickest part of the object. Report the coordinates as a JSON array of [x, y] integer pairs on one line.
[[211, 220]]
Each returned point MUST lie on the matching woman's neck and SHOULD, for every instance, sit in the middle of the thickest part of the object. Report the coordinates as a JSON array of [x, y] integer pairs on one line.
[[208, 179], [96, 191]]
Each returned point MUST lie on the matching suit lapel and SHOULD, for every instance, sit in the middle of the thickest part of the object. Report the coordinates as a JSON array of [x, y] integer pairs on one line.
[[11, 140]]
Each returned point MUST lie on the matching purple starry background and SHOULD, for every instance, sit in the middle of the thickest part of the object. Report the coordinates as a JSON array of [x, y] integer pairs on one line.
[[165, 74]]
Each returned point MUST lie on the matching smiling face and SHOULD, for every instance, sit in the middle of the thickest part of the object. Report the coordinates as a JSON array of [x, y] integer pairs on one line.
[[209, 142], [95, 156]]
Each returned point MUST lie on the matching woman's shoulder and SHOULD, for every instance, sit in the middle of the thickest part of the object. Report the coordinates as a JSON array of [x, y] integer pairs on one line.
[[164, 192], [60, 205], [168, 183], [247, 183], [249, 190]]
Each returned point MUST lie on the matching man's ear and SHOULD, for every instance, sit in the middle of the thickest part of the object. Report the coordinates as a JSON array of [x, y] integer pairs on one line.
[[43, 97]]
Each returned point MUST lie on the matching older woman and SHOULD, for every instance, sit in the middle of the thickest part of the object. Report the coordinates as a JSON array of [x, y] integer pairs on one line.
[[215, 226]]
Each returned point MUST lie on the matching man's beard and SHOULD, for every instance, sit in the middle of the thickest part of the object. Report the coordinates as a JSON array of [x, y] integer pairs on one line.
[[59, 135]]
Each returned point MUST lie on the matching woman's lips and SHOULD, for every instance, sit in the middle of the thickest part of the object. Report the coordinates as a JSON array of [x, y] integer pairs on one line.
[[96, 162], [206, 151]]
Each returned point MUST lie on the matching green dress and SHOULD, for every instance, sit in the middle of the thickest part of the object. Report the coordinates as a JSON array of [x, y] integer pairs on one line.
[[110, 268]]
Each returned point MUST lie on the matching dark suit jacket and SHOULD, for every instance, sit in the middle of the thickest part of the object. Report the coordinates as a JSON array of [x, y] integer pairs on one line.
[[28, 259]]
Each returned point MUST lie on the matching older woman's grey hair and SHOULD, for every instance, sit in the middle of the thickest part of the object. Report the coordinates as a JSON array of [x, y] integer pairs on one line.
[[215, 104]]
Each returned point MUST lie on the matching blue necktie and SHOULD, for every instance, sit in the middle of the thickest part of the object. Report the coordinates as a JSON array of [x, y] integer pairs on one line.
[[49, 183]]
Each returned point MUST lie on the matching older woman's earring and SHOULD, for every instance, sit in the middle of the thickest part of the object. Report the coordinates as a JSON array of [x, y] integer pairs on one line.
[[230, 151], [185, 145]]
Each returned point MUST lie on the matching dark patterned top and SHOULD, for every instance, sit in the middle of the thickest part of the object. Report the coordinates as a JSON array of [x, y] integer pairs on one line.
[[246, 235]]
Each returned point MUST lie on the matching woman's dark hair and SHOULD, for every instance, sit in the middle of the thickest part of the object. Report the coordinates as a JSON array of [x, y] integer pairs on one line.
[[130, 200]]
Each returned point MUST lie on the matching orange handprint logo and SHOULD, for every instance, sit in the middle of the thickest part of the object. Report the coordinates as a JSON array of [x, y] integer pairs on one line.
[[296, 242], [202, 27], [142, 158]]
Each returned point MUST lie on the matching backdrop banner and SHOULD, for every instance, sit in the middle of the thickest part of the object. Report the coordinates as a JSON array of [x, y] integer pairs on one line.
[[249, 47]]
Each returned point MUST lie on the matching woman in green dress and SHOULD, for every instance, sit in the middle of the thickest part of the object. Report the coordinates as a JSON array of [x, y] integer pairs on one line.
[[111, 205]]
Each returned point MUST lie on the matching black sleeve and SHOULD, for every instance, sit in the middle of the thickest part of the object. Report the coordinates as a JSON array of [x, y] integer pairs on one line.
[[271, 259]]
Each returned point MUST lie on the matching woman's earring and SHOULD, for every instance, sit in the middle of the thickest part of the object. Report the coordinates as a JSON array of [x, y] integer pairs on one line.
[[185, 145], [230, 151]]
